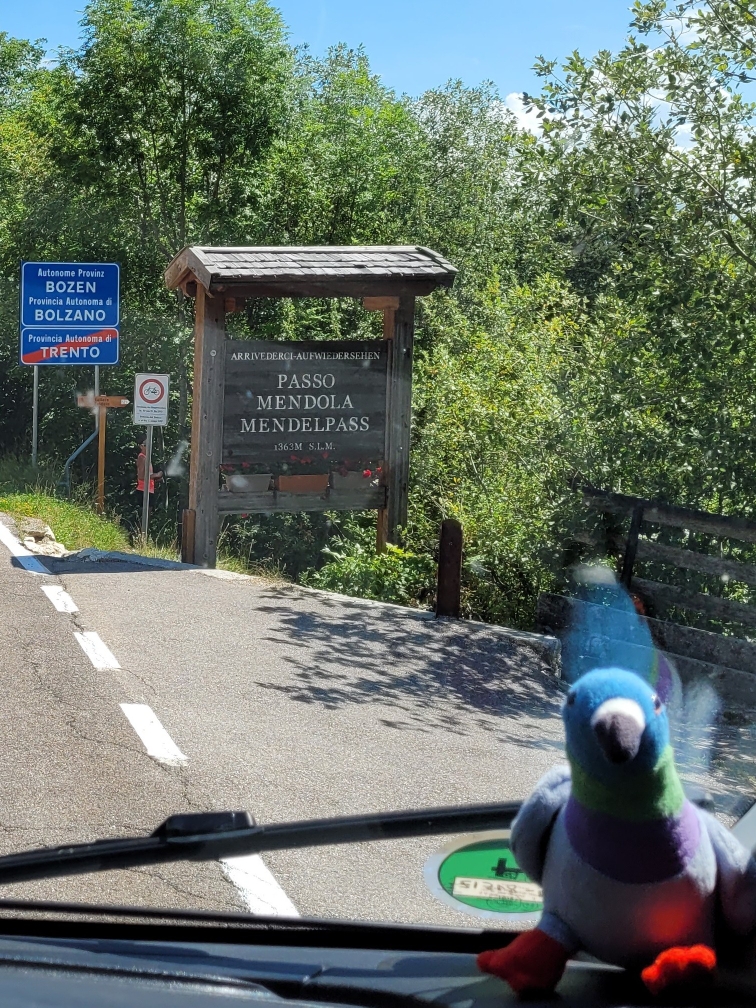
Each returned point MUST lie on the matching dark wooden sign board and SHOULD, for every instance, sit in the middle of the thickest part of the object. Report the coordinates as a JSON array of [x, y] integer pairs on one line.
[[288, 402], [234, 395]]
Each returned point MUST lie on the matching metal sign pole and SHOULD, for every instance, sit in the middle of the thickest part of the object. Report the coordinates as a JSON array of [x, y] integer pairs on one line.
[[147, 473], [35, 416], [102, 414], [150, 410]]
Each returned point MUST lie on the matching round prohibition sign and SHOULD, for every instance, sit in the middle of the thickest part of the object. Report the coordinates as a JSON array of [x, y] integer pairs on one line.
[[151, 391]]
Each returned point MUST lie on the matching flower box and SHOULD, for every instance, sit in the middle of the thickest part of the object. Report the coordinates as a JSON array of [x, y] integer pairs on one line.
[[304, 483], [352, 480], [255, 483]]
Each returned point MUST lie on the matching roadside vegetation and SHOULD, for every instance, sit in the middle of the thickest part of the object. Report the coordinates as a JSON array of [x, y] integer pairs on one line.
[[601, 328], [26, 492], [74, 525]]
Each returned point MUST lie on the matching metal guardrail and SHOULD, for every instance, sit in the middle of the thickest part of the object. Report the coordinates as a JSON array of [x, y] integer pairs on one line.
[[65, 479]]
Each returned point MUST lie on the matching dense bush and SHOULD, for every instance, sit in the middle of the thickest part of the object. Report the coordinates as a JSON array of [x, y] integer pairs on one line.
[[395, 575]]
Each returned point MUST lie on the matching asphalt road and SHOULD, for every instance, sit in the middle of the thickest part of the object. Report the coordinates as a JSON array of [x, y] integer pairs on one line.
[[283, 701]]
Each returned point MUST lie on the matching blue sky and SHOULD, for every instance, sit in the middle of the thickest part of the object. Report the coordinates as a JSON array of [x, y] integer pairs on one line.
[[412, 44]]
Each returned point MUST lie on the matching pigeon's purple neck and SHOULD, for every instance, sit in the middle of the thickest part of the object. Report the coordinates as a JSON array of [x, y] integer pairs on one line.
[[647, 851], [642, 829]]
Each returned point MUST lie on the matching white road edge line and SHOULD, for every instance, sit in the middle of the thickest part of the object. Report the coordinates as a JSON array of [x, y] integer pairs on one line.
[[155, 738], [60, 598], [97, 650], [25, 558], [257, 886]]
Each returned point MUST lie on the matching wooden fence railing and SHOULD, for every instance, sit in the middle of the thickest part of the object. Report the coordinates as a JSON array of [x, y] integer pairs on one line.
[[632, 547]]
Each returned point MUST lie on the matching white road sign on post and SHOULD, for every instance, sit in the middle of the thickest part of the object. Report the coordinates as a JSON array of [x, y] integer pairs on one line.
[[151, 400], [150, 410]]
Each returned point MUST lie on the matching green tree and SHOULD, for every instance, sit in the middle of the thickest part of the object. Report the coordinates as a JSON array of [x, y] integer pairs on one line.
[[148, 137], [669, 114], [169, 107]]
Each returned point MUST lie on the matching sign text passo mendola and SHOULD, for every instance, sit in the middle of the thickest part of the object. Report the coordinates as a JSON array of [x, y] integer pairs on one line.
[[314, 397]]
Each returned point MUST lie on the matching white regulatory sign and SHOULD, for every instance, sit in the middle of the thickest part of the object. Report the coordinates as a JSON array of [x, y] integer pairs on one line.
[[151, 400]]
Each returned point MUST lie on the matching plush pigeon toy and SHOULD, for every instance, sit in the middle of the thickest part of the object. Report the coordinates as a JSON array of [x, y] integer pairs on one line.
[[631, 871]]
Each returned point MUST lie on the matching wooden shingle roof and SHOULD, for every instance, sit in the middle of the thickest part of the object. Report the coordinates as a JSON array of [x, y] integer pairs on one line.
[[314, 270]]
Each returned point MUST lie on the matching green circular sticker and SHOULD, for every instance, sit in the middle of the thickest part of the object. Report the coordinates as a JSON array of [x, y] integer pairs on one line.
[[478, 875]]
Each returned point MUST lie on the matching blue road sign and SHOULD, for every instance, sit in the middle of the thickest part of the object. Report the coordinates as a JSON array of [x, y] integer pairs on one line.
[[69, 313], [69, 346]]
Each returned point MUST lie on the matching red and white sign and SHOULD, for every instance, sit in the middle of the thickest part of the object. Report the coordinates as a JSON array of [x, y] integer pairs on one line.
[[151, 400]]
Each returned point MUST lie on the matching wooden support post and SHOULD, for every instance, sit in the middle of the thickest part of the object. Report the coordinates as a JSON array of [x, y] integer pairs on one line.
[[389, 306], [399, 415], [381, 530], [449, 569], [380, 304], [381, 535], [207, 423], [187, 535], [631, 547], [102, 416]]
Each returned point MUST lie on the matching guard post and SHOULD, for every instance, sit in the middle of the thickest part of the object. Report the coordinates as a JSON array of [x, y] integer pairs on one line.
[[449, 584], [377, 380]]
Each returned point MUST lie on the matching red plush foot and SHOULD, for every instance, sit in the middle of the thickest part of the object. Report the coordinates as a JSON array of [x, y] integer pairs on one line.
[[681, 965], [532, 962]]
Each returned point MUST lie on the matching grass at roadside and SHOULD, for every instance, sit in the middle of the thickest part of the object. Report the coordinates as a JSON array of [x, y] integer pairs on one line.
[[157, 550], [75, 525]]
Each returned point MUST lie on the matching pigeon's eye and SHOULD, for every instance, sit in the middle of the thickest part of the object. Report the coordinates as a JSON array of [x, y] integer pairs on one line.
[[570, 699], [657, 704]]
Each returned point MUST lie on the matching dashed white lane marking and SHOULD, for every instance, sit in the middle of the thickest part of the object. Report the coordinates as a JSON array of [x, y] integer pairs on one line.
[[257, 886], [60, 598], [155, 738], [248, 874], [25, 558], [97, 650]]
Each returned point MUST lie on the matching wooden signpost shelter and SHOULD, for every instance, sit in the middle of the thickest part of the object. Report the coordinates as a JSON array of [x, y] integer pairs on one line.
[[222, 280]]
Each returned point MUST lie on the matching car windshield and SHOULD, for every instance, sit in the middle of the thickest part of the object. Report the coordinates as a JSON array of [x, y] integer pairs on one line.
[[350, 416]]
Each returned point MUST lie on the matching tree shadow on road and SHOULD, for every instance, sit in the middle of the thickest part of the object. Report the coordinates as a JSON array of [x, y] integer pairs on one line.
[[436, 674]]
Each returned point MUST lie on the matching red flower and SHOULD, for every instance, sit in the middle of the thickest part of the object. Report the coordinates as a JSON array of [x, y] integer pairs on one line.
[[245, 465], [366, 473], [244, 516]]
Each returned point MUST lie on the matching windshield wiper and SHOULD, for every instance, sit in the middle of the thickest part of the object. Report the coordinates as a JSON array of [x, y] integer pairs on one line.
[[208, 836]]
